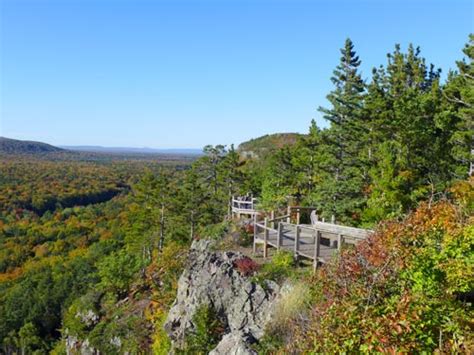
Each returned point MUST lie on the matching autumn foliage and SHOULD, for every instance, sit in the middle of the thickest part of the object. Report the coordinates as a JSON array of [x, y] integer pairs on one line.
[[403, 290], [246, 266]]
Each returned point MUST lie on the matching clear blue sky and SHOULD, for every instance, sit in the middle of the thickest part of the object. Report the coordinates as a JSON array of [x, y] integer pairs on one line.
[[188, 73]]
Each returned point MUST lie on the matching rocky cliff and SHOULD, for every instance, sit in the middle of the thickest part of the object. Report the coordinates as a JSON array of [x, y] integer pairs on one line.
[[243, 306]]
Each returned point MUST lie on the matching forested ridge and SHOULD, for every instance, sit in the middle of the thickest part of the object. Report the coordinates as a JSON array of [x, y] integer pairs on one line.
[[76, 268], [13, 146]]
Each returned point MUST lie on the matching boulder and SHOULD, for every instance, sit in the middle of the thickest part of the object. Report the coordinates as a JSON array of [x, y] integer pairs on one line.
[[212, 279]]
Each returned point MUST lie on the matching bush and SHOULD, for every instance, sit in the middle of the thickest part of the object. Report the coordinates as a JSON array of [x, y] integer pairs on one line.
[[280, 266], [214, 231], [161, 341], [208, 331], [269, 344], [398, 291], [246, 235], [118, 270], [293, 302], [246, 266]]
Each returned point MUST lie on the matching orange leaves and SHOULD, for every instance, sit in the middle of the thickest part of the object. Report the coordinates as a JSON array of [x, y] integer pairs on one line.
[[11, 275], [105, 235], [464, 193], [246, 266], [390, 294]]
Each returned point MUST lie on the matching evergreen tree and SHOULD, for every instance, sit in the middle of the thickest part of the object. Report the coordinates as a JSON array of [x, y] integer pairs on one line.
[[345, 139], [232, 175], [459, 105], [307, 162], [279, 184], [192, 201], [209, 172], [153, 192]]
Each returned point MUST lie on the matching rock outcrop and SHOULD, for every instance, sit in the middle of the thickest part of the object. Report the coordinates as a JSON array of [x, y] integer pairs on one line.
[[212, 279]]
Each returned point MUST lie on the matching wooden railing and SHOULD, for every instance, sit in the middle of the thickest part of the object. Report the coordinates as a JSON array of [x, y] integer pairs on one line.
[[271, 232], [240, 206]]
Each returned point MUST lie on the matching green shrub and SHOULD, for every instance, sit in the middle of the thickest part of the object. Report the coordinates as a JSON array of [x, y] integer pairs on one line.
[[293, 303], [280, 266], [398, 292], [161, 340], [268, 344], [208, 331], [246, 236], [118, 270], [214, 231]]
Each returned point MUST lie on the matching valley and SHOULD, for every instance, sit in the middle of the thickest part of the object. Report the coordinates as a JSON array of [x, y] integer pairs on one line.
[[139, 252]]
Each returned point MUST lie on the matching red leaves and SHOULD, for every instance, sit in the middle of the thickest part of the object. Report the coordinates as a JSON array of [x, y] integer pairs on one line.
[[246, 266], [248, 228], [364, 296]]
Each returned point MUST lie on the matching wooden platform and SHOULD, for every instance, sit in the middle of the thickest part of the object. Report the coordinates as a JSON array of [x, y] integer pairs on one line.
[[318, 242], [306, 246], [242, 207]]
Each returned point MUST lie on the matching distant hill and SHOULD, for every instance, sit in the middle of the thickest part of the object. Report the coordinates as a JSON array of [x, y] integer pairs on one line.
[[262, 146], [129, 150], [15, 146]]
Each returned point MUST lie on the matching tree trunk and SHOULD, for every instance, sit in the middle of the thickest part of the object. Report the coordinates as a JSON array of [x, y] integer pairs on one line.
[[192, 225], [162, 228]]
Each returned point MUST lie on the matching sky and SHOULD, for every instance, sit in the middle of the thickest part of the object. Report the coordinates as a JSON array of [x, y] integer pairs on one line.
[[183, 74]]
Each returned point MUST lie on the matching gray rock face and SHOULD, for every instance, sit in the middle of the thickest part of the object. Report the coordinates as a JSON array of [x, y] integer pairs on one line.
[[212, 279]]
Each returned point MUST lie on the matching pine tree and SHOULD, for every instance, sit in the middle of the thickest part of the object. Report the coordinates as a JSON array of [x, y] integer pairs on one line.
[[153, 192], [422, 139], [192, 201], [344, 140], [459, 105], [279, 185], [209, 173], [409, 128], [231, 175], [306, 162]]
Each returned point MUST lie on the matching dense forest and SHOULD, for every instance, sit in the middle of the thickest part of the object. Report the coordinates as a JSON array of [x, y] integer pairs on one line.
[[91, 248]]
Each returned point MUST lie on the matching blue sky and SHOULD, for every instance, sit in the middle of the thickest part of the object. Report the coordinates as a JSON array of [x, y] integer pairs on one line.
[[189, 73]]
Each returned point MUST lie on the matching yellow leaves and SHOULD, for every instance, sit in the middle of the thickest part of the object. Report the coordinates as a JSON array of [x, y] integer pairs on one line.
[[77, 252], [30, 265], [34, 264], [406, 175], [11, 275], [457, 259], [464, 194], [105, 235], [369, 296], [58, 246], [41, 250]]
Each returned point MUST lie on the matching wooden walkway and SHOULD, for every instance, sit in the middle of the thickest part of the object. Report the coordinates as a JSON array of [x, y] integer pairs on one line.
[[317, 242]]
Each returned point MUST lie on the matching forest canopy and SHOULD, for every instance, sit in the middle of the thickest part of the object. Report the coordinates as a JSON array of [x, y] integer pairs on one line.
[[93, 249]]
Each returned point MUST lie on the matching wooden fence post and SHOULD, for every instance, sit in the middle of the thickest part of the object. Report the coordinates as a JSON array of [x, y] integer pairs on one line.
[[280, 235], [340, 240], [333, 219], [298, 216], [272, 217], [265, 238], [297, 240], [254, 234], [288, 212], [317, 246]]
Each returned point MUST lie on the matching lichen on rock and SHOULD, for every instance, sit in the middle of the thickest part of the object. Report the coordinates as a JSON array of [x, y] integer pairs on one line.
[[242, 305]]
